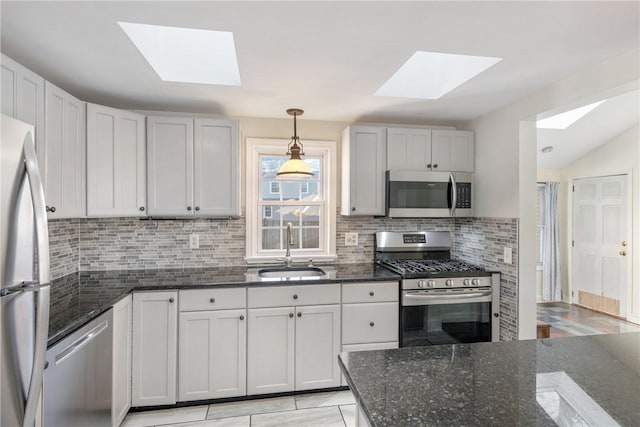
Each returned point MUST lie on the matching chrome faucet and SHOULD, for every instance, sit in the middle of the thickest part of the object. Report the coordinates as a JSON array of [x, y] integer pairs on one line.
[[287, 254]]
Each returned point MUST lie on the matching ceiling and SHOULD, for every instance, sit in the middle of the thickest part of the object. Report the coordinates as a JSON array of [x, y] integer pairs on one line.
[[328, 58], [607, 121]]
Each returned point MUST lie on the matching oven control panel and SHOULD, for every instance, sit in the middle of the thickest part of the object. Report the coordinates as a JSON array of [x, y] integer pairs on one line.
[[444, 283]]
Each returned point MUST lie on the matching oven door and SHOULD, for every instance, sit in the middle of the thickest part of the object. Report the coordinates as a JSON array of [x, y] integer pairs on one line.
[[445, 316]]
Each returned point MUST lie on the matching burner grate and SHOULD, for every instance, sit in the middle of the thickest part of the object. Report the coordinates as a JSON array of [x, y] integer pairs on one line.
[[429, 266]]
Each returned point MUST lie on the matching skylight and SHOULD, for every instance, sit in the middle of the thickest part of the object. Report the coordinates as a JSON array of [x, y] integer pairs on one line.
[[430, 75], [566, 119], [186, 54]]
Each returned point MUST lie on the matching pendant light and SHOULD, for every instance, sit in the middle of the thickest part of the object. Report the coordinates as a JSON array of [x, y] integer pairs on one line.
[[295, 167]]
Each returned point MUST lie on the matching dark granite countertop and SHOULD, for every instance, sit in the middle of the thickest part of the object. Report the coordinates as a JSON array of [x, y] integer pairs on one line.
[[500, 384], [80, 297]]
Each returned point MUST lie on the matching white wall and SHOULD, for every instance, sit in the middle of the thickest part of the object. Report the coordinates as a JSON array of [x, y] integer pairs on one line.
[[505, 151]]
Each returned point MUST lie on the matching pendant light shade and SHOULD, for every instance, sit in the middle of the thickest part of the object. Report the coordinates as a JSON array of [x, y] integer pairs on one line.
[[295, 167]]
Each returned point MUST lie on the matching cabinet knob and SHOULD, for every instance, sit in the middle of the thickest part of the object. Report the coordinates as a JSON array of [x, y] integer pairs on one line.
[[429, 165], [435, 165], [299, 314], [372, 324], [51, 209], [295, 296], [371, 293], [171, 300], [290, 314], [141, 208], [353, 208], [242, 317], [197, 208], [188, 208], [496, 314], [212, 300]]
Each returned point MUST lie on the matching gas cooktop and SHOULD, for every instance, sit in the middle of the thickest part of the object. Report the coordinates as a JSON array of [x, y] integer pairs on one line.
[[431, 267]]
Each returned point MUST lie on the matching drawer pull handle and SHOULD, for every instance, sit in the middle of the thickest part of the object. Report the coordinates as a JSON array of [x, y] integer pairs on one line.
[[371, 293], [295, 296], [372, 324], [171, 300], [241, 317], [212, 300], [290, 314], [299, 314]]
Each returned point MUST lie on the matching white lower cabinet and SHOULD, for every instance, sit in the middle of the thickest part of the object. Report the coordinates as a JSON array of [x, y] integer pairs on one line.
[[121, 390], [213, 354], [155, 319]]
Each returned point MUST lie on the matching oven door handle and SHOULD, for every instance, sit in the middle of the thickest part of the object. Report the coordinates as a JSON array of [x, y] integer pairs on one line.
[[418, 298]]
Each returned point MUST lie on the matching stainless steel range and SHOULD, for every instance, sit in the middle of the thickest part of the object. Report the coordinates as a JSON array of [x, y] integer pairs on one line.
[[443, 300]]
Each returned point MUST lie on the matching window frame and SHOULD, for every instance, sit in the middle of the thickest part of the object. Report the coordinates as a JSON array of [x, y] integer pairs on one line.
[[328, 150], [271, 187]]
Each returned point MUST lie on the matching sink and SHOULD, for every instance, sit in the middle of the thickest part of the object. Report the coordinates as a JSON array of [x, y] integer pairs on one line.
[[291, 273]]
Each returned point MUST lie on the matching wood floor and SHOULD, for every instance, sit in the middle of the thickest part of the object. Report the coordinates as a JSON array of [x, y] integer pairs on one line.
[[567, 320]]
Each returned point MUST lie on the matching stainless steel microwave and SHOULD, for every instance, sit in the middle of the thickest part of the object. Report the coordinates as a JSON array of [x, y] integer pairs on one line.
[[422, 194]]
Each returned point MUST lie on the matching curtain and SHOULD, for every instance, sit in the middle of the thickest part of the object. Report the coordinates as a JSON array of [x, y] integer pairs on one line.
[[551, 286]]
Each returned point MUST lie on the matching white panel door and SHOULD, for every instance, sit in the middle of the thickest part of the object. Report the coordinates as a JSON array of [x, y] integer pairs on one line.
[[452, 150], [317, 347], [367, 148], [216, 167], [121, 391], [408, 149], [270, 350], [155, 318], [116, 162], [212, 354], [64, 153], [601, 236], [170, 166]]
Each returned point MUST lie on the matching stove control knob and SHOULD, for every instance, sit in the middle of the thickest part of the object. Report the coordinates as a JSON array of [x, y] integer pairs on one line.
[[431, 283], [466, 282], [421, 284], [449, 282], [475, 282]]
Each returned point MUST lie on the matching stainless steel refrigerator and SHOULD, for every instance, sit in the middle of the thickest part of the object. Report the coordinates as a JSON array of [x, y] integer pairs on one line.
[[24, 275]]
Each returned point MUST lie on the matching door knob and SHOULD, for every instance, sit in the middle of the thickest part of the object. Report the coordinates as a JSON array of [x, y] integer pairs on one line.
[[623, 243], [623, 253]]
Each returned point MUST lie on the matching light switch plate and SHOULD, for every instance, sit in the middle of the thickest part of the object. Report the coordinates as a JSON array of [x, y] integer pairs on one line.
[[351, 239], [194, 241], [508, 255]]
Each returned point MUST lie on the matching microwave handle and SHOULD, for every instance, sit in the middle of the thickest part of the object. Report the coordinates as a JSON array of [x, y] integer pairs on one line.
[[454, 194]]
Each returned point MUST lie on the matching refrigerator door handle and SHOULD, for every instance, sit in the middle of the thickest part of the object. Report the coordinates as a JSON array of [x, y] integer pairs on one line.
[[43, 290]]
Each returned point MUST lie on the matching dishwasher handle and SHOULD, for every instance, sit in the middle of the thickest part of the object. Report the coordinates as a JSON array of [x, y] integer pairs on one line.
[[81, 342]]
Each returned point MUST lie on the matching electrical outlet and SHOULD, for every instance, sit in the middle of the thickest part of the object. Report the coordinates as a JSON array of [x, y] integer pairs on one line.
[[194, 241], [351, 239], [508, 255]]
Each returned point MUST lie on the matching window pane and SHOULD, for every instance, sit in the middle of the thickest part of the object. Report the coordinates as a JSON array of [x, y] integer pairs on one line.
[[270, 216], [311, 217], [310, 238], [270, 238]]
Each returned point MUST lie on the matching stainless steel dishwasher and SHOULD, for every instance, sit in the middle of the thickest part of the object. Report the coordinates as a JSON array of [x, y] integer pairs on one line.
[[77, 380]]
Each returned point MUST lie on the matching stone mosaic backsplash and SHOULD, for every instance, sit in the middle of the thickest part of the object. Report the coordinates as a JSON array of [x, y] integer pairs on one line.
[[96, 244]]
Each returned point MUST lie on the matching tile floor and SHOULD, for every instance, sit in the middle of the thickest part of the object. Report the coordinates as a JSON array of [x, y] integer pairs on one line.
[[567, 320], [331, 409]]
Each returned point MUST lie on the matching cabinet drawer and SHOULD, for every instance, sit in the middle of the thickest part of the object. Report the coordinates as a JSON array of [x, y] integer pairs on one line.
[[370, 292], [280, 296], [212, 299], [368, 323]]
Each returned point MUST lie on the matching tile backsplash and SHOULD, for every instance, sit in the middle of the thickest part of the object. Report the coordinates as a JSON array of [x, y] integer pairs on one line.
[[95, 244]]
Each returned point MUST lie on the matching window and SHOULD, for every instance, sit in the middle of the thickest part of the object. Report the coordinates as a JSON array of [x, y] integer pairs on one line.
[[272, 203]]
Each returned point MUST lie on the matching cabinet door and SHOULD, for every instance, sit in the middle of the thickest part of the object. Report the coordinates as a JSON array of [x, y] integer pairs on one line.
[[155, 318], [317, 346], [213, 354], [64, 153], [116, 162], [408, 149], [270, 350], [216, 167], [363, 166], [170, 166], [121, 390], [453, 150]]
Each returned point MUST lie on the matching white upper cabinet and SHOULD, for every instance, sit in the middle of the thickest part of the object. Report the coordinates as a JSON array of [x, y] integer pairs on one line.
[[430, 150], [116, 162], [453, 150], [23, 96], [408, 149], [216, 167], [64, 154], [363, 166], [190, 175]]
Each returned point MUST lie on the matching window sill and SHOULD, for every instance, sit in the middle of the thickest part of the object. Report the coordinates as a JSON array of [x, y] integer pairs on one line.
[[298, 260]]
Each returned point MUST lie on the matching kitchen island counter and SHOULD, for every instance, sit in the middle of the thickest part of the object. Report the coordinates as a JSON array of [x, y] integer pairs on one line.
[[77, 298], [517, 383]]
